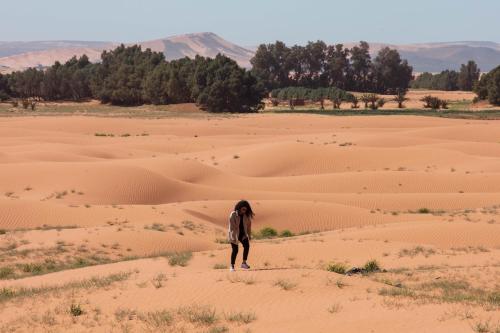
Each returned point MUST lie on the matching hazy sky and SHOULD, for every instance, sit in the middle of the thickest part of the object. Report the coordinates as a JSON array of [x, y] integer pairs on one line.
[[251, 22]]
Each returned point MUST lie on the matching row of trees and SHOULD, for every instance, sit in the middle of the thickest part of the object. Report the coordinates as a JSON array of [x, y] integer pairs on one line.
[[299, 95], [465, 79], [131, 76], [319, 65]]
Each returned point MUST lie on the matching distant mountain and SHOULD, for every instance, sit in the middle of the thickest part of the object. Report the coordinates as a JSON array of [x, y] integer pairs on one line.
[[205, 44], [436, 57], [430, 57], [19, 55]]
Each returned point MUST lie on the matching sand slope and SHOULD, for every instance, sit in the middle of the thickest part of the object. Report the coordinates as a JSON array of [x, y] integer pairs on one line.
[[420, 195]]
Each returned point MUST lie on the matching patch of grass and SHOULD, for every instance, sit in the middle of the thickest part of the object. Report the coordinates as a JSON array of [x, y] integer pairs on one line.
[[337, 268], [6, 272], [416, 251], [218, 329], [158, 319], [179, 258], [285, 284], [156, 227], [8, 293], [423, 211], [241, 317], [3, 231], [189, 225], [334, 308], [236, 278], [75, 310], [199, 315], [457, 114], [220, 266], [372, 266]]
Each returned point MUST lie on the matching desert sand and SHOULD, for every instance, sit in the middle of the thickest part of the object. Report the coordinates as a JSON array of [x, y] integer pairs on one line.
[[119, 224]]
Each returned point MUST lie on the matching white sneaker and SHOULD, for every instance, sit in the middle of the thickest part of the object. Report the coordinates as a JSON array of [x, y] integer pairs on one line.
[[231, 269], [245, 266]]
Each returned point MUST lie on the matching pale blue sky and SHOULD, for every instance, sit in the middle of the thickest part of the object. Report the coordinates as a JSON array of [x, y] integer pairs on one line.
[[251, 22]]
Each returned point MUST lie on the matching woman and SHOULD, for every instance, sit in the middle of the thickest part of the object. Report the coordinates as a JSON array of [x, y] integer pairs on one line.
[[240, 230]]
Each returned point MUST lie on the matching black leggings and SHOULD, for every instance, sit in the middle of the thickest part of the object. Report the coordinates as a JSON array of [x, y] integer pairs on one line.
[[234, 252]]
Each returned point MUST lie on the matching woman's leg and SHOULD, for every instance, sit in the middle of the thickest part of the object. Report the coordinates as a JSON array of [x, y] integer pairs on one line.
[[246, 249], [234, 253]]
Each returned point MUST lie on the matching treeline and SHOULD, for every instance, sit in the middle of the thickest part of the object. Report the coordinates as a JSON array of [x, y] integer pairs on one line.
[[465, 79], [319, 65], [130, 76], [298, 96]]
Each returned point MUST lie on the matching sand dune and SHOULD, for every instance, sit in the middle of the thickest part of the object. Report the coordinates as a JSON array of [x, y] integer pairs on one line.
[[420, 195]]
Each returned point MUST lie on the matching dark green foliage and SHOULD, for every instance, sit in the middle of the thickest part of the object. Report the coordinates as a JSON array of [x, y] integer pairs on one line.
[[446, 80], [287, 233], [120, 77], [222, 86], [318, 65], [434, 103], [129, 76], [390, 72], [488, 88], [468, 76]]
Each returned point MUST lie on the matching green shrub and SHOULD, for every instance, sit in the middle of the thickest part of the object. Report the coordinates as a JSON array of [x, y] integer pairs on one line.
[[287, 233], [179, 258], [267, 232], [337, 268], [75, 310], [371, 266]]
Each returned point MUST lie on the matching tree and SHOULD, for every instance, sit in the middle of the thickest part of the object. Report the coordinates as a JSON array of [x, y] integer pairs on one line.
[[120, 77], [337, 66], [271, 64], [468, 76], [446, 80], [4, 88], [400, 97], [229, 88], [319, 95], [361, 67], [488, 87], [390, 72]]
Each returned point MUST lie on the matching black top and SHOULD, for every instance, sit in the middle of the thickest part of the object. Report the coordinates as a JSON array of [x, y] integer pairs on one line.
[[242, 229]]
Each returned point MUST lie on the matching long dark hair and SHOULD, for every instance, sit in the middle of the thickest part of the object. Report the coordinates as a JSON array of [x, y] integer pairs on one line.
[[244, 203]]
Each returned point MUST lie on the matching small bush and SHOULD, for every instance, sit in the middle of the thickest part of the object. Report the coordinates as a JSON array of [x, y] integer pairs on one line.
[[3, 231], [287, 233], [220, 266], [337, 268], [424, 211], [268, 232], [371, 266], [179, 258], [75, 310]]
